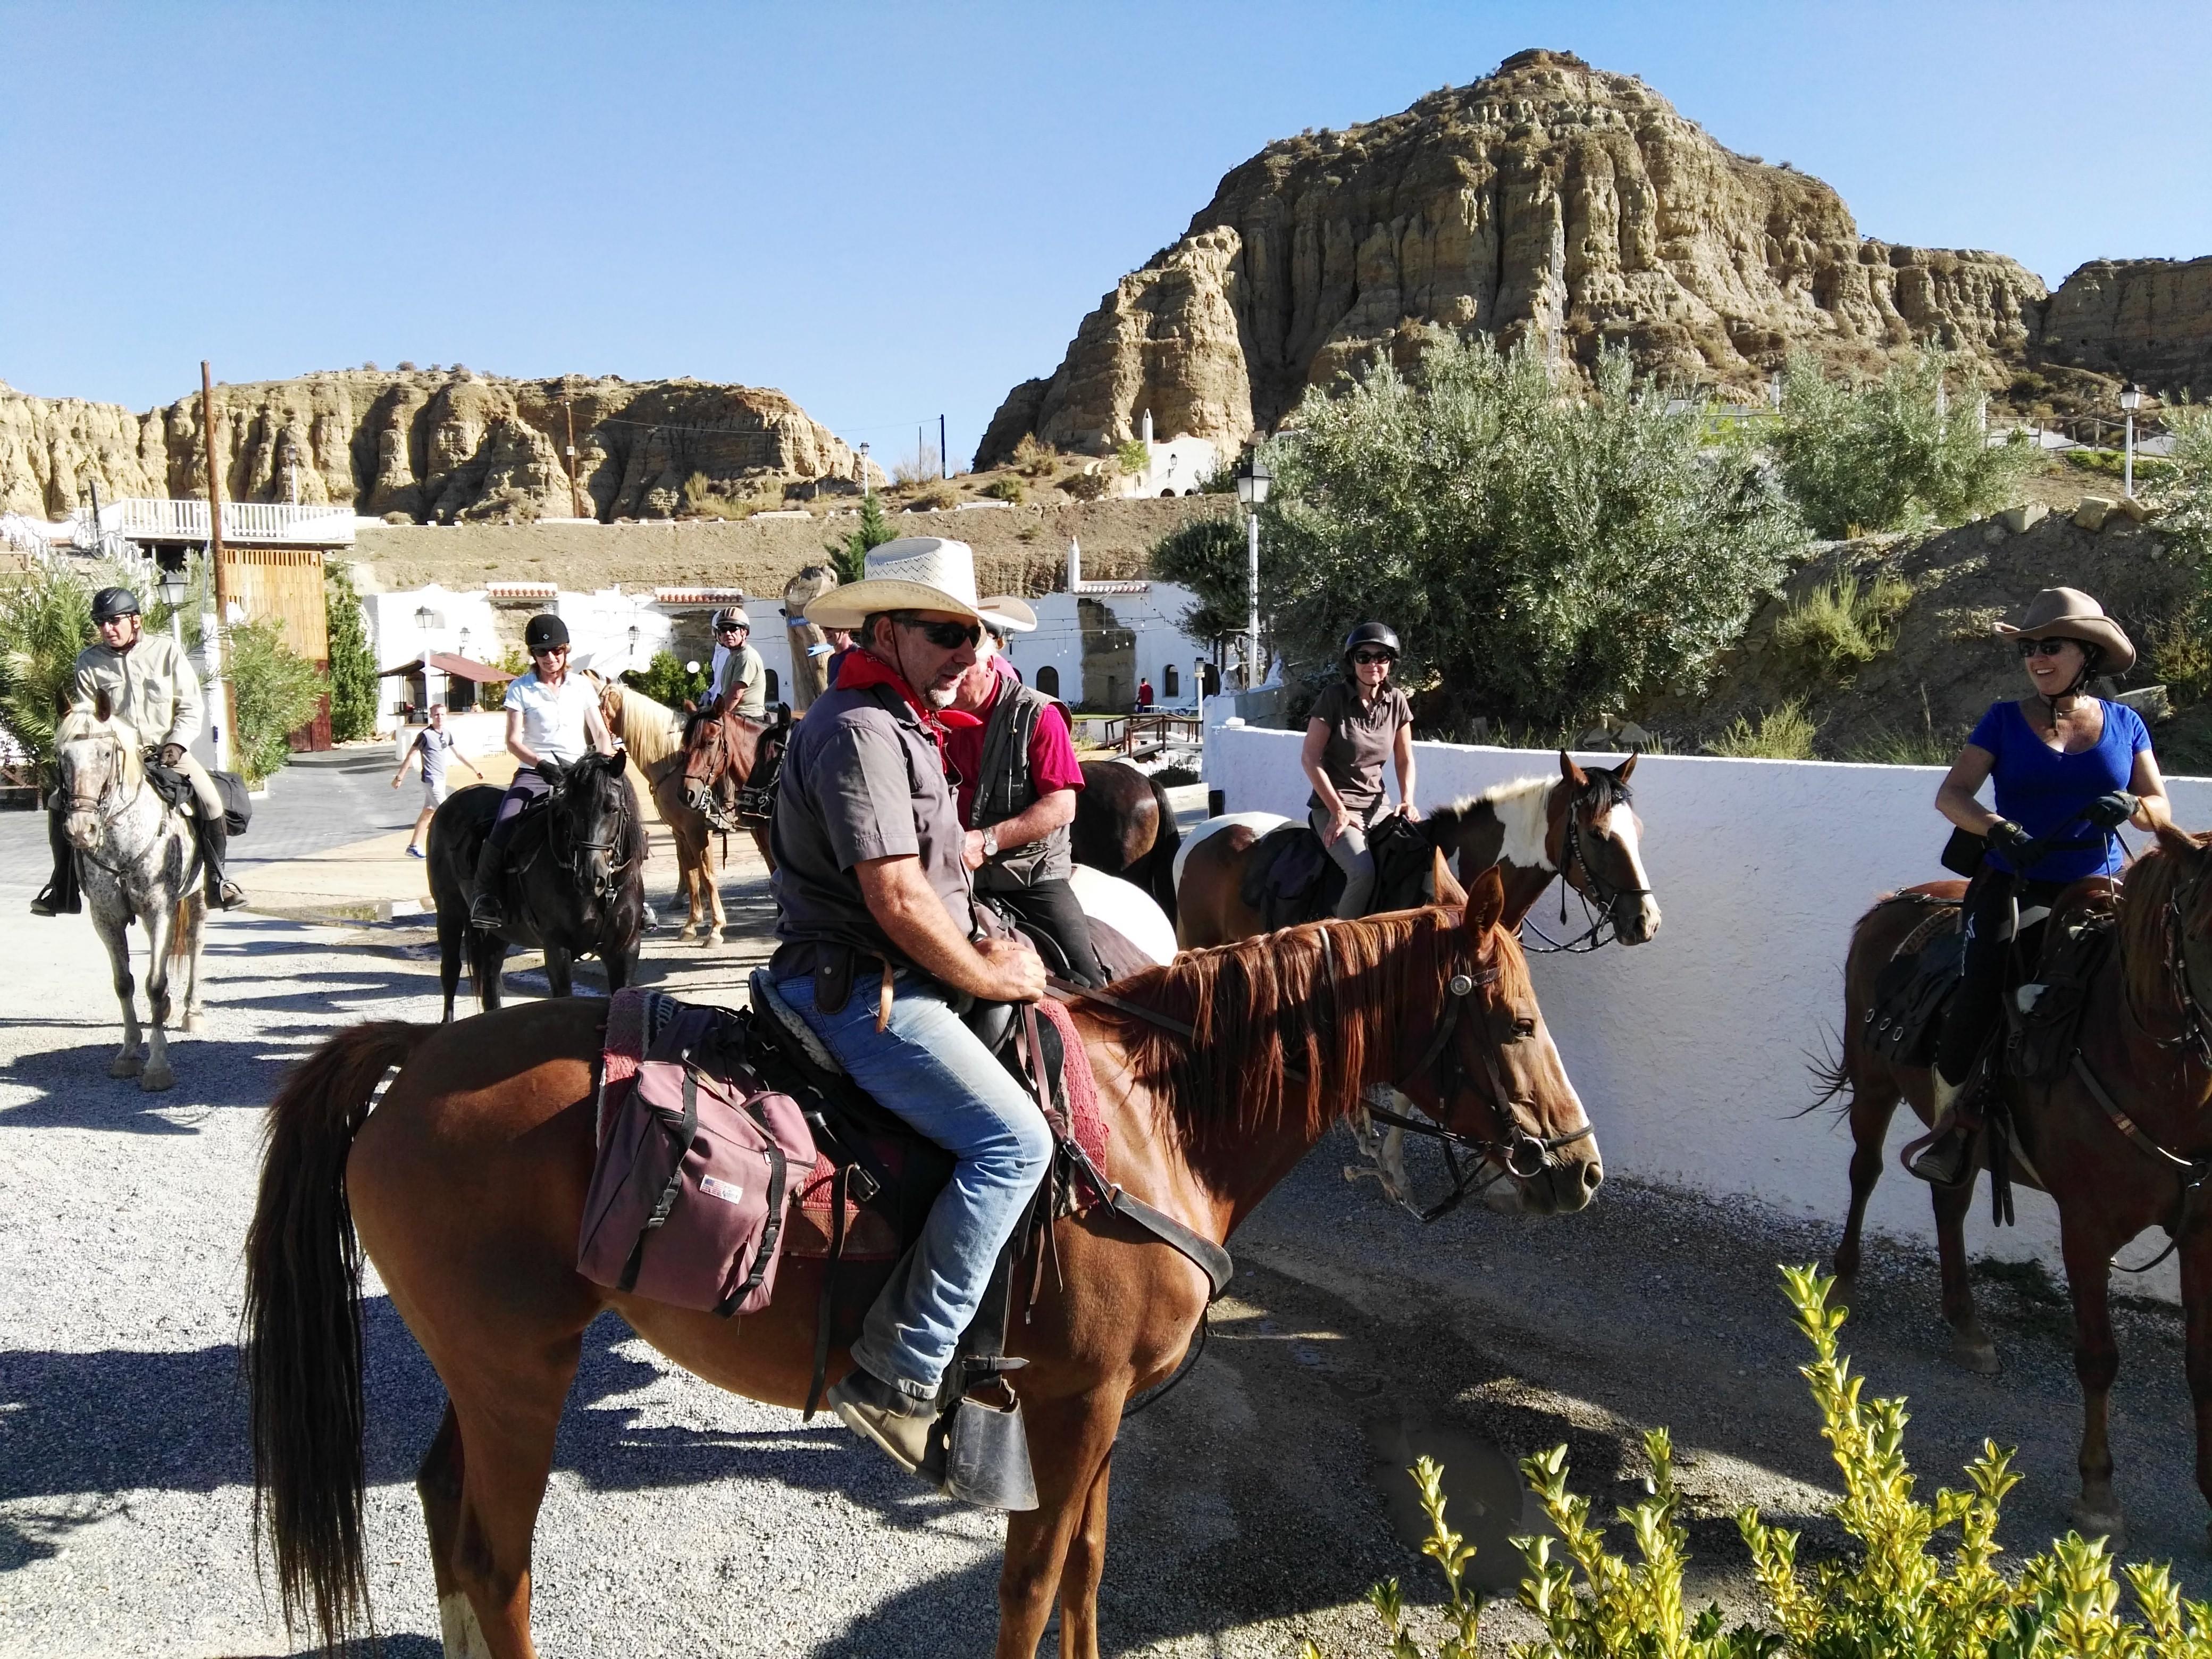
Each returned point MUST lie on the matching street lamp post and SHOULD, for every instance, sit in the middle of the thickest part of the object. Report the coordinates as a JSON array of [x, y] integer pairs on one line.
[[1252, 479], [2131, 401]]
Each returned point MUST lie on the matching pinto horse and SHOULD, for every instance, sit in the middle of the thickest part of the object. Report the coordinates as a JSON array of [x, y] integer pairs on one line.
[[1581, 824], [1217, 1073], [2146, 1047], [1126, 826]]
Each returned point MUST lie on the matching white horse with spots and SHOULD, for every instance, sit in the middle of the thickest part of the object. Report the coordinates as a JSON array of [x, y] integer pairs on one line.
[[137, 860]]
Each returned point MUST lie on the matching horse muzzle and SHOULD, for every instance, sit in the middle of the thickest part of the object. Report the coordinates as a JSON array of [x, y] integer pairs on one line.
[[1635, 918], [1559, 1184]]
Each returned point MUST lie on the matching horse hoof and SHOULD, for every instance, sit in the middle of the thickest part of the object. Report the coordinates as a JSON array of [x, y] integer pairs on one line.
[[1974, 1351], [154, 1079], [125, 1066], [2107, 1524], [1840, 1296]]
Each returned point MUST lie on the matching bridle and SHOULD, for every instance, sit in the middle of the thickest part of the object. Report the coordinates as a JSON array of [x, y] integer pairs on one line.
[[1600, 898], [581, 852], [1523, 1154], [721, 751], [98, 805]]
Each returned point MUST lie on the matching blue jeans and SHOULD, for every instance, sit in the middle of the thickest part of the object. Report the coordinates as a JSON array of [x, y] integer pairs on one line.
[[934, 1072]]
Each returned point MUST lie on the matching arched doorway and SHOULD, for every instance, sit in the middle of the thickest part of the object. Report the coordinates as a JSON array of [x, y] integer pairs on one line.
[[1048, 681]]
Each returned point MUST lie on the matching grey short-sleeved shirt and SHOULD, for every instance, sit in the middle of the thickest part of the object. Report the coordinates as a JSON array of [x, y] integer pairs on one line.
[[1361, 738], [861, 779]]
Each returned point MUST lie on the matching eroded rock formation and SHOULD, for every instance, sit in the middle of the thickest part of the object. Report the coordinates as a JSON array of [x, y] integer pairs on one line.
[[1550, 203], [434, 445], [2148, 320]]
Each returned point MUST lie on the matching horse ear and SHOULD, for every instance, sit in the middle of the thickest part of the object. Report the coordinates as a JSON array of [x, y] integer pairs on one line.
[[621, 759], [103, 708], [1486, 903], [2177, 842], [1572, 772], [1447, 889], [1627, 766]]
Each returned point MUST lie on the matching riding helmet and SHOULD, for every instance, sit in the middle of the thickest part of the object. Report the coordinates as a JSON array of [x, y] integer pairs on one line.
[[545, 630], [113, 602], [731, 616], [1373, 633]]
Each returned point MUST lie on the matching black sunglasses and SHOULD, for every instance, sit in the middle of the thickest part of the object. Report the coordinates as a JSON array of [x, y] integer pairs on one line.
[[547, 650], [945, 636], [2041, 647], [1372, 656]]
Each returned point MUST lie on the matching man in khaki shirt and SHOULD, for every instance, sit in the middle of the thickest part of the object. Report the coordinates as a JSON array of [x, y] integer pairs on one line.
[[152, 689]]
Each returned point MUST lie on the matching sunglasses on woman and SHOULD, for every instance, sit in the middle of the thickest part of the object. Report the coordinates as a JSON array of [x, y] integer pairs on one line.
[[945, 636], [2041, 647], [1364, 657]]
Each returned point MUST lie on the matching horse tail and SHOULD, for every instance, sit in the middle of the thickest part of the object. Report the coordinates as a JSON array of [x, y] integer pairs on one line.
[[1831, 1075], [1167, 840], [181, 937], [302, 1323]]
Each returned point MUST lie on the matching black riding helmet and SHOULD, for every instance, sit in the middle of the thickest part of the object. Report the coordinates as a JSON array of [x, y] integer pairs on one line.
[[1372, 633], [544, 631], [113, 602]]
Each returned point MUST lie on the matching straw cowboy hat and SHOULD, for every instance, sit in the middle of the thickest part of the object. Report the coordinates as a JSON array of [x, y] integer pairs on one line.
[[1004, 610], [2067, 613], [915, 573]]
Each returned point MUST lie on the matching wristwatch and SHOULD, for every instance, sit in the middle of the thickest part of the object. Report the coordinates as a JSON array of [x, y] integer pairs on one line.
[[990, 843]]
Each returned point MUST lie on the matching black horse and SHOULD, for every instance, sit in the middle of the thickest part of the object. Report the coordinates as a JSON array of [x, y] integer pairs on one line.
[[574, 878], [1125, 826]]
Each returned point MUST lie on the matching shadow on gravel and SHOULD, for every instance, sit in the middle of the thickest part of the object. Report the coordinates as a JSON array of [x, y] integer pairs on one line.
[[75, 1091]]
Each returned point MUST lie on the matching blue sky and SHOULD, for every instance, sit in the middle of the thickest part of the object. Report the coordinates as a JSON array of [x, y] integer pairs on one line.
[[893, 211]]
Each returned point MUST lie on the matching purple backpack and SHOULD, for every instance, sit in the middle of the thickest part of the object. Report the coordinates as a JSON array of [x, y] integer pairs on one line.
[[687, 1197]]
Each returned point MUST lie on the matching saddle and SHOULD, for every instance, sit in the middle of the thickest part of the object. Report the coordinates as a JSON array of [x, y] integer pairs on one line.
[[1290, 878], [175, 789], [2043, 1019]]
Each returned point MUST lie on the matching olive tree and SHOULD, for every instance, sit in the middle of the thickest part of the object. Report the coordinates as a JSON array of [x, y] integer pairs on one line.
[[1548, 552]]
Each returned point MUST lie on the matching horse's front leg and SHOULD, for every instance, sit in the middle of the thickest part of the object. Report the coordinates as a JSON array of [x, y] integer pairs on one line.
[[1069, 1441], [1970, 1347], [2196, 1303], [710, 877], [114, 935], [2096, 1363], [161, 928], [1874, 1095], [559, 964]]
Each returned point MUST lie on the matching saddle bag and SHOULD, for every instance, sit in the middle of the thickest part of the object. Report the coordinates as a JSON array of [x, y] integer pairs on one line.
[[687, 1199], [2044, 1020], [237, 804], [1911, 993]]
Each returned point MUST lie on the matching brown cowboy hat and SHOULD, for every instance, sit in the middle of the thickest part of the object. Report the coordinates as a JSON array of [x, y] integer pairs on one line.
[[2067, 613]]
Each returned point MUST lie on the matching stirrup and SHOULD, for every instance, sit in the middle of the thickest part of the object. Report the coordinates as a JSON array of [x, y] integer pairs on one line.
[[1947, 1156], [486, 914]]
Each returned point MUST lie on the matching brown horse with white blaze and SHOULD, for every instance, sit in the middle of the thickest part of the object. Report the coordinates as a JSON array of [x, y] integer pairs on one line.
[[467, 1184], [2115, 1166]]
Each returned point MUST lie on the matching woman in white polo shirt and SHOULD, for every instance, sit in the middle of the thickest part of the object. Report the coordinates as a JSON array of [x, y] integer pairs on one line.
[[551, 715]]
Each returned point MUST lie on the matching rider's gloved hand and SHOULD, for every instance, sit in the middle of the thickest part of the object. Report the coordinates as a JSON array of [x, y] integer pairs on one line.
[[2110, 811], [173, 754], [2008, 838]]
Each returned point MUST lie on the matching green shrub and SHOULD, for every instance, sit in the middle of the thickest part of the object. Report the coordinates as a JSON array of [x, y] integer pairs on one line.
[[1836, 628], [1892, 1597], [1087, 486], [848, 555], [2150, 469], [354, 684], [1783, 733], [666, 681], [1034, 457], [1133, 456], [1176, 776], [1858, 457], [1007, 489], [274, 692], [1545, 556]]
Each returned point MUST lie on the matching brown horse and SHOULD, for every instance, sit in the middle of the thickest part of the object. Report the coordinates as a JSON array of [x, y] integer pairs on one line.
[[1531, 830], [1126, 826], [2144, 1043], [467, 1185], [721, 751], [654, 737]]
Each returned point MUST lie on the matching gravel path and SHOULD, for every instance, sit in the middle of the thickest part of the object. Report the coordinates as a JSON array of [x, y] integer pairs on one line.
[[1251, 1509]]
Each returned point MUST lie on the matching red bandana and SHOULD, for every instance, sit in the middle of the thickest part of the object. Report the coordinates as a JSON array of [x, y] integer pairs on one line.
[[860, 669]]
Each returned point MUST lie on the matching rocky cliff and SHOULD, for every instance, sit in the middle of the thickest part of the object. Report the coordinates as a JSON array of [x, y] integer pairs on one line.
[[434, 445], [1553, 203], [2148, 320]]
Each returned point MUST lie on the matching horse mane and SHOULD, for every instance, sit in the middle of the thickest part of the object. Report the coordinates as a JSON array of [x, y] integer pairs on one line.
[[81, 722], [650, 730], [1520, 806], [2144, 898], [1279, 1041]]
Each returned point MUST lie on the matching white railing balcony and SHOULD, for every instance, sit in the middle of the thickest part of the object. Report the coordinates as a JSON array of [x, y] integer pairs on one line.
[[264, 524]]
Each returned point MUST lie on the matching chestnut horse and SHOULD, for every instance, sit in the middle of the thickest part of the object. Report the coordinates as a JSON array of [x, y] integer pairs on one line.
[[654, 736], [2146, 1042], [467, 1186], [720, 750], [1583, 824]]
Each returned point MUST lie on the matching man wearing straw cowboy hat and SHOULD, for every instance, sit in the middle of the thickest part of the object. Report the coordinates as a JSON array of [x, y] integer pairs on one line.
[[874, 924]]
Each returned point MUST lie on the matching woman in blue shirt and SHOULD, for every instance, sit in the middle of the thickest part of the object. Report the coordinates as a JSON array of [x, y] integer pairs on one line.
[[2068, 770]]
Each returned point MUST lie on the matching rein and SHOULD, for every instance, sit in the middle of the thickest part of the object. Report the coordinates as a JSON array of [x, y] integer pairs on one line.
[[580, 851]]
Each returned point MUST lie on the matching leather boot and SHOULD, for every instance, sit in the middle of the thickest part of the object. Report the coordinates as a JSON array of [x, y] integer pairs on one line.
[[222, 892], [1947, 1159], [484, 911], [60, 896]]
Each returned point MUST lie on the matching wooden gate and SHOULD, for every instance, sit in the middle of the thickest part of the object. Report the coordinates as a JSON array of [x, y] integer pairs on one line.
[[284, 585]]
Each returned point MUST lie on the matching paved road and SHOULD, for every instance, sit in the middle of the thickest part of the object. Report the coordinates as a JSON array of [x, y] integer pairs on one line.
[[1251, 1508]]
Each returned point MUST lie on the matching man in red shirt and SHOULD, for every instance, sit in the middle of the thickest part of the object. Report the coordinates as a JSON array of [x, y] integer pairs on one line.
[[1014, 777]]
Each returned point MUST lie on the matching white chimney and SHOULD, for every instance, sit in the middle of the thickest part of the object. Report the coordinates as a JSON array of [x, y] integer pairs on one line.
[[1146, 432], [1074, 565]]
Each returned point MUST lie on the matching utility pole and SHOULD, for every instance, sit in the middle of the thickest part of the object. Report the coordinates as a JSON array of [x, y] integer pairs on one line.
[[575, 495], [944, 461], [96, 516], [220, 571]]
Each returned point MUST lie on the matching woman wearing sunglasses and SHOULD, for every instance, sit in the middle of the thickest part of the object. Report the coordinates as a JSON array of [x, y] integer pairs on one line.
[[1358, 723], [2068, 770]]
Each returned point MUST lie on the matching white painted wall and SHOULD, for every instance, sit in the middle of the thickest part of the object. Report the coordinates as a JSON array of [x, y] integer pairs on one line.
[[1690, 1052], [1152, 612]]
